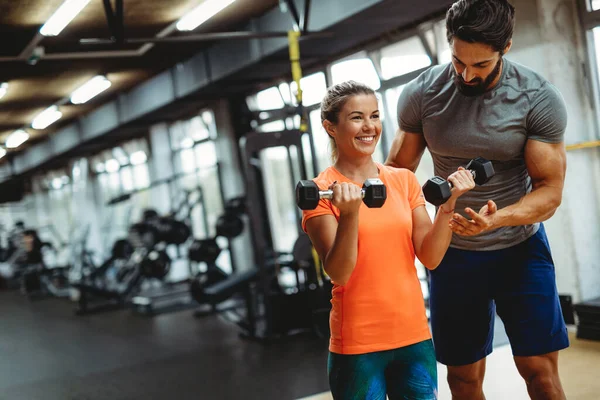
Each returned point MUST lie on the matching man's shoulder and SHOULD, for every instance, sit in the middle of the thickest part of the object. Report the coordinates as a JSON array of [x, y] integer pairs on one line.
[[432, 78], [524, 77]]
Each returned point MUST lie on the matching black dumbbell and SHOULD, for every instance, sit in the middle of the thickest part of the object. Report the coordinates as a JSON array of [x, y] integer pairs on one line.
[[437, 190], [308, 194]]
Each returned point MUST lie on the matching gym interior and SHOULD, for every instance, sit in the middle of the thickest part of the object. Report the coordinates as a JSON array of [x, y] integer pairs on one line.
[[150, 236]]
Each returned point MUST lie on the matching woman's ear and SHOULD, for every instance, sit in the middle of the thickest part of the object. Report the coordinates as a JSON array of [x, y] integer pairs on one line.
[[329, 128]]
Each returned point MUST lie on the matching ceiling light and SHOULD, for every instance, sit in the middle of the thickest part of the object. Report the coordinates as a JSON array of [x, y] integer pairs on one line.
[[100, 168], [3, 89], [138, 157], [56, 183], [112, 165], [16, 139], [2, 152], [201, 14], [46, 118], [90, 89], [62, 17]]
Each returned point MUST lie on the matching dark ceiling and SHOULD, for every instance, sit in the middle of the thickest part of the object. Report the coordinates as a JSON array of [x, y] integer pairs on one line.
[[67, 64]]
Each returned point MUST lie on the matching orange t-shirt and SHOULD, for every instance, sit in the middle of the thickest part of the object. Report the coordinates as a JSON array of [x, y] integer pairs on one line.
[[381, 306]]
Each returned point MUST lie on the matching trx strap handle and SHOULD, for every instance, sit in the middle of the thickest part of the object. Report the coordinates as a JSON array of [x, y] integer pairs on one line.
[[294, 48]]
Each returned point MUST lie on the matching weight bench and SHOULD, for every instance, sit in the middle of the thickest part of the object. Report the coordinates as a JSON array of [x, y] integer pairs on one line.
[[224, 290], [235, 283]]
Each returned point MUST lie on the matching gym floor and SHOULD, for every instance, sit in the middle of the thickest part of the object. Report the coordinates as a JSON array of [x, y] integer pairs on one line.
[[48, 353]]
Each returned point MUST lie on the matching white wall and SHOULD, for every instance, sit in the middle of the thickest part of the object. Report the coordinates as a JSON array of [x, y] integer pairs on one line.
[[547, 39]]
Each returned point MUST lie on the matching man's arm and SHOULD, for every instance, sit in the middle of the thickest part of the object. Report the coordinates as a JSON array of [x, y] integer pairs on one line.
[[546, 164], [406, 151]]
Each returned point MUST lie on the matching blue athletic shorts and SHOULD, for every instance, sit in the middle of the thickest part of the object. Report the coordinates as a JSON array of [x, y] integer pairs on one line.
[[518, 283], [408, 372]]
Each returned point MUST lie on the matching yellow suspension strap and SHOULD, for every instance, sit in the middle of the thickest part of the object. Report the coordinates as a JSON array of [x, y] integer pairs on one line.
[[294, 46]]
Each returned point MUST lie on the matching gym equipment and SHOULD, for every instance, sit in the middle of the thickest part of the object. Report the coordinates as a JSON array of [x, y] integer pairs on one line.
[[290, 289], [156, 264], [204, 250], [437, 189], [230, 225], [236, 206], [588, 313], [308, 194]]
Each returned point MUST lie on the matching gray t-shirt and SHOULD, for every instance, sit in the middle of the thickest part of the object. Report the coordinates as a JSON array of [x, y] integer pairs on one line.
[[496, 125]]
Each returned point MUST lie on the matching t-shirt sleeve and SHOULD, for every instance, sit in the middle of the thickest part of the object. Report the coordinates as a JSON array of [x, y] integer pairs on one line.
[[547, 119], [415, 192], [323, 208], [409, 107]]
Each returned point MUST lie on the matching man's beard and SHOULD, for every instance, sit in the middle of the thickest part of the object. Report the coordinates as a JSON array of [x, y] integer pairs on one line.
[[481, 86]]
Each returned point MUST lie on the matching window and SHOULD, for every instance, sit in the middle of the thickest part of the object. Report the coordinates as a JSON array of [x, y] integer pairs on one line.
[[358, 69], [403, 57], [274, 126], [441, 42], [195, 159], [314, 88], [279, 195], [391, 96], [591, 23], [321, 140]]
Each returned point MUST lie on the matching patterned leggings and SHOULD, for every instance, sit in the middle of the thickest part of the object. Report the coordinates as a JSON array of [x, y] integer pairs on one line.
[[405, 373]]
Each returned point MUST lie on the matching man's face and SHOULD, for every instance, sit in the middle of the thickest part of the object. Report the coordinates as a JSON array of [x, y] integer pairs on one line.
[[477, 66]]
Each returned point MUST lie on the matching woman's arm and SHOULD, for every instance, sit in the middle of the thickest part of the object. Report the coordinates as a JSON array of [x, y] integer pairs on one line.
[[337, 242], [431, 241]]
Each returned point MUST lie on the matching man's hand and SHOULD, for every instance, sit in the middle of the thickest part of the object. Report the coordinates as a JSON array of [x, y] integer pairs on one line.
[[482, 222]]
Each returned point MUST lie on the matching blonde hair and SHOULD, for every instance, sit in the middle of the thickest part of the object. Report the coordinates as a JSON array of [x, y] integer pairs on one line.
[[333, 102]]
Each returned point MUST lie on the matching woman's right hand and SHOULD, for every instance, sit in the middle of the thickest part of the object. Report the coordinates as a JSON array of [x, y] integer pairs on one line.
[[347, 197], [462, 181]]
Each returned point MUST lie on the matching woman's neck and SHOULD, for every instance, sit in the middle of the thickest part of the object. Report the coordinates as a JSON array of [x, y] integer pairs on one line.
[[357, 169]]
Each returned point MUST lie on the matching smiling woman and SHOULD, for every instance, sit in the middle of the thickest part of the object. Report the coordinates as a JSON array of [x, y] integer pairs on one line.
[[344, 96], [369, 253]]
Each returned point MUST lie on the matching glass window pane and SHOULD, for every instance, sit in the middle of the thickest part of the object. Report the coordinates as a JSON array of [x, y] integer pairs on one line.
[[177, 134], [596, 32], [313, 89], [269, 99], [321, 140], [360, 70], [595, 5], [284, 88], [141, 176], [391, 97], [127, 179], [378, 154], [114, 184], [443, 49], [209, 179], [310, 168], [196, 129], [206, 155], [279, 195], [403, 57], [186, 160], [274, 126]]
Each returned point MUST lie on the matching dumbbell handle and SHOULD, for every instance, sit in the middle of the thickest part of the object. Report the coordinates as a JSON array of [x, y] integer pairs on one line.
[[328, 194], [473, 172]]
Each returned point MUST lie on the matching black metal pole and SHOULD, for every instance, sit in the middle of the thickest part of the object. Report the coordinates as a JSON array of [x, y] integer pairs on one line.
[[202, 37], [294, 11], [304, 26]]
